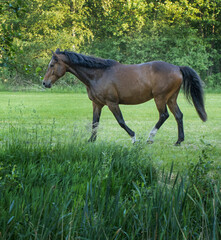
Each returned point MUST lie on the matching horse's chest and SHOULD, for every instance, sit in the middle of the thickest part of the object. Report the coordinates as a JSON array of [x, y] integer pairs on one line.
[[95, 96]]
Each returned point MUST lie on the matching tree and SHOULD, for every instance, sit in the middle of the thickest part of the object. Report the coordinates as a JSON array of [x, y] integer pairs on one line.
[[30, 29], [130, 31]]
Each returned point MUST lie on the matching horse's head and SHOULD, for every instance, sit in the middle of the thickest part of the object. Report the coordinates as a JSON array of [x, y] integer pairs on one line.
[[56, 69]]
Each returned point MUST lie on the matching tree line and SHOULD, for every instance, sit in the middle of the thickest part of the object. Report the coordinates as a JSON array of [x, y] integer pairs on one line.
[[182, 32]]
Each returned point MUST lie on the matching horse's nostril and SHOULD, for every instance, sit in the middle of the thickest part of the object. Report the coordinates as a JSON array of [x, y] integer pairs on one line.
[[43, 83]]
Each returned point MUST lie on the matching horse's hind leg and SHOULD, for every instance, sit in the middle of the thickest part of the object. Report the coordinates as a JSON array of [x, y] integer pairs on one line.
[[172, 104], [114, 108], [163, 115], [96, 117]]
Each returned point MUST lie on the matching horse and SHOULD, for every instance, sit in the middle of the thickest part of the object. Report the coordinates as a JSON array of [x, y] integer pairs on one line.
[[111, 83]]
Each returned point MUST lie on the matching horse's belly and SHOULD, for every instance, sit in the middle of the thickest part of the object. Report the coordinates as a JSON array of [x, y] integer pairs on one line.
[[135, 96]]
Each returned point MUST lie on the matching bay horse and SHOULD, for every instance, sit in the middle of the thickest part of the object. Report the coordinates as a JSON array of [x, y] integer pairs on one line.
[[111, 83]]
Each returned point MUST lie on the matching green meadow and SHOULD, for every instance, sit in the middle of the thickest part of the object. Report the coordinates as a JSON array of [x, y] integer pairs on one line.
[[56, 185]]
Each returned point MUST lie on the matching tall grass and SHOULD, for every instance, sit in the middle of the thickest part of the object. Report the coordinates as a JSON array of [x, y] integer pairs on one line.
[[56, 188]]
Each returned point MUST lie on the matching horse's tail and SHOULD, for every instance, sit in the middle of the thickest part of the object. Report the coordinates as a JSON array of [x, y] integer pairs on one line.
[[192, 86]]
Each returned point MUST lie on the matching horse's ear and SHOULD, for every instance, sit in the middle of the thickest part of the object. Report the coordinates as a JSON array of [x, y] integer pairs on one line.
[[55, 56], [57, 50]]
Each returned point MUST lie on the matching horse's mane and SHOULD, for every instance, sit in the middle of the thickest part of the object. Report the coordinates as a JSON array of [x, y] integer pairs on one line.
[[88, 61]]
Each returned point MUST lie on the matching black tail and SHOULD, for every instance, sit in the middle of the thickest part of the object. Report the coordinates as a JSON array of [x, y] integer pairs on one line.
[[192, 86]]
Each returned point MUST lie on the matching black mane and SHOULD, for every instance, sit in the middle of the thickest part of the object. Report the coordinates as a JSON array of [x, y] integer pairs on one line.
[[88, 61]]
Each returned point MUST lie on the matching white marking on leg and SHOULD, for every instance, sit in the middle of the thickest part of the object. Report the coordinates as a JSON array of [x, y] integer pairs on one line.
[[133, 139], [152, 135]]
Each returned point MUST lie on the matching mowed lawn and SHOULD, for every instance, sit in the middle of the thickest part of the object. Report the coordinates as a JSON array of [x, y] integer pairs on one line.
[[64, 115]]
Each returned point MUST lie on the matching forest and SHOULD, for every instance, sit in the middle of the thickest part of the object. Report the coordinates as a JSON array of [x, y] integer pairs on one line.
[[182, 32]]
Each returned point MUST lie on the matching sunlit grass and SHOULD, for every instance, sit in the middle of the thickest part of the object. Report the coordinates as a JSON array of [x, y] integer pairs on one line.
[[68, 113]]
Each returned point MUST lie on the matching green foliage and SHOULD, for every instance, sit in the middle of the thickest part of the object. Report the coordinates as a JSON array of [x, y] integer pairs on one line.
[[32, 30], [181, 32], [148, 47]]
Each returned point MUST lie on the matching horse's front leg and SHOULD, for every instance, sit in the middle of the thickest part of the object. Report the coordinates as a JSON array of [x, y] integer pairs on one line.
[[119, 117], [96, 117]]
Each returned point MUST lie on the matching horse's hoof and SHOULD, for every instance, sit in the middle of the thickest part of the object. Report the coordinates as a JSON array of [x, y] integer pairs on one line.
[[133, 139], [136, 142], [178, 142], [91, 140], [149, 141]]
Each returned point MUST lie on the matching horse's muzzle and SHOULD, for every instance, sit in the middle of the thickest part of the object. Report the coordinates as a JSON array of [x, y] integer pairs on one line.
[[46, 84]]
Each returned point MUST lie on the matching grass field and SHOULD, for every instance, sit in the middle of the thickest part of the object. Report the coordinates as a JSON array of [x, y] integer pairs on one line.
[[68, 114], [55, 185]]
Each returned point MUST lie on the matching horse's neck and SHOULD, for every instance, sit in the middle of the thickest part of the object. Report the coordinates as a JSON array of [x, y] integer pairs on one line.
[[86, 75]]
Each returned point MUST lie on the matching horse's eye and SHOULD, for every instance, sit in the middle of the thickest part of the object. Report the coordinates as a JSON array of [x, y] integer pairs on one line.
[[51, 65]]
